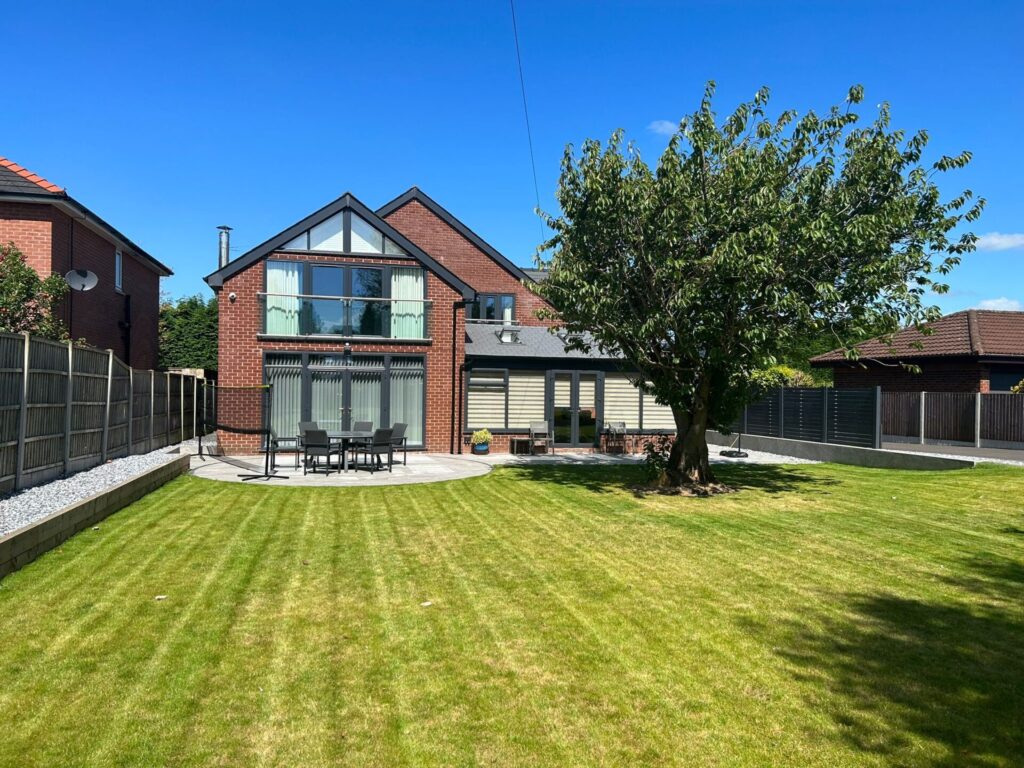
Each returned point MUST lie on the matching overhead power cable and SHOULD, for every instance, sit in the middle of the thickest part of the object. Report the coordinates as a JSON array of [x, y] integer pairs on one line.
[[526, 112]]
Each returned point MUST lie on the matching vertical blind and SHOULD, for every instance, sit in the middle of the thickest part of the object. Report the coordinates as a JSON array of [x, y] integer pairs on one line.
[[407, 317], [283, 311]]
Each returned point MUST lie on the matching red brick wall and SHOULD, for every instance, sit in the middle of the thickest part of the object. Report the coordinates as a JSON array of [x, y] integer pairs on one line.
[[469, 263], [46, 236], [502, 443], [936, 376], [240, 359]]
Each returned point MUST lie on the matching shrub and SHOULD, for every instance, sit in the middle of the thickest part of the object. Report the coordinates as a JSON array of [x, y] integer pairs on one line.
[[656, 451]]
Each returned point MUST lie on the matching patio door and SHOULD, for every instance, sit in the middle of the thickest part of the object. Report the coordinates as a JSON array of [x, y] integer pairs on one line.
[[341, 396], [574, 408]]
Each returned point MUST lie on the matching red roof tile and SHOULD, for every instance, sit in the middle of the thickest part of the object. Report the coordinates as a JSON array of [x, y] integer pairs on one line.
[[970, 333], [26, 174]]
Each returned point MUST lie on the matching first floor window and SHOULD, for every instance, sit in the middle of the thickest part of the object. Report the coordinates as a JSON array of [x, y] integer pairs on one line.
[[118, 270], [494, 307]]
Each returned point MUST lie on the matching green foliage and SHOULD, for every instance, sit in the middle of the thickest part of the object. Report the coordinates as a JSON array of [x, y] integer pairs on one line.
[[1018, 388], [752, 234], [188, 333], [26, 300], [481, 437], [656, 457]]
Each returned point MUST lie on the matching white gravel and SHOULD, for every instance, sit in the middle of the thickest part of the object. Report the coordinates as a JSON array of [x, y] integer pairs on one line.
[[25, 507], [754, 457]]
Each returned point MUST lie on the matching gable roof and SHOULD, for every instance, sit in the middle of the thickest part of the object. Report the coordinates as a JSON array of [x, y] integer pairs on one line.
[[15, 178], [19, 183], [973, 333], [415, 193], [347, 200]]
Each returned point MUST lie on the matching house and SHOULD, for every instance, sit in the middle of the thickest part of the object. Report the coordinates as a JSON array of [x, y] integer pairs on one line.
[[404, 314], [57, 234], [970, 351]]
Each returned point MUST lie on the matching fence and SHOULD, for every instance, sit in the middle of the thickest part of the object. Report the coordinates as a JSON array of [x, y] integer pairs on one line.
[[990, 419], [819, 414], [65, 408]]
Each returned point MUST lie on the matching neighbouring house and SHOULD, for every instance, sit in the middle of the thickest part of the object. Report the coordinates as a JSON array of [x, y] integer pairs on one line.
[[404, 314], [974, 350], [56, 233]]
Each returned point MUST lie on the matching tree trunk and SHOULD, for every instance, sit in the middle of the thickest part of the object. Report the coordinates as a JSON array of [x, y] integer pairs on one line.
[[688, 465]]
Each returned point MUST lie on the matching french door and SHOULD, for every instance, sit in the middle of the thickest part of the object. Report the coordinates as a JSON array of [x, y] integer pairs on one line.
[[574, 408]]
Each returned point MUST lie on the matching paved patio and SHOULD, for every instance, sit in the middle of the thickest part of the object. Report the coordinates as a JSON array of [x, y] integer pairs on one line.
[[432, 467]]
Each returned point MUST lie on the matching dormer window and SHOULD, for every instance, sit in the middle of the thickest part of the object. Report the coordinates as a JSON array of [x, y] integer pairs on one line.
[[118, 273]]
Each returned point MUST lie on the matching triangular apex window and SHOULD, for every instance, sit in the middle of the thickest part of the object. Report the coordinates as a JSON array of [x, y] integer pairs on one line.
[[329, 235]]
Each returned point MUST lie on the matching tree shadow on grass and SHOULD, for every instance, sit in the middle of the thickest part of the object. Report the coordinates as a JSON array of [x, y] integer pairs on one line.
[[950, 672], [768, 478]]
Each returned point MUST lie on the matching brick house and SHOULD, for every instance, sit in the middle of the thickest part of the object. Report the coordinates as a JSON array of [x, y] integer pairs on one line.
[[56, 234], [970, 351], [404, 314]]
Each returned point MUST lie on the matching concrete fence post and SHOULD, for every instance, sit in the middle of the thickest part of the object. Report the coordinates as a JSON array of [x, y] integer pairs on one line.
[[19, 466], [977, 419], [152, 406], [106, 410], [69, 404], [920, 425], [878, 417]]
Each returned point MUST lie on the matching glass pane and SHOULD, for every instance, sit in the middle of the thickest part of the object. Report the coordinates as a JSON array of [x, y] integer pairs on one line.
[[507, 306], [368, 316], [392, 249], [407, 317], [587, 413], [365, 239], [286, 395], [563, 411], [489, 312], [407, 402], [326, 317], [326, 402], [327, 281], [366, 396], [300, 243], [327, 235], [283, 277]]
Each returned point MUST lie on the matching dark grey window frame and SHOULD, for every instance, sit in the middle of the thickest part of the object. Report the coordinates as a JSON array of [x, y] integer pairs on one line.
[[476, 305]]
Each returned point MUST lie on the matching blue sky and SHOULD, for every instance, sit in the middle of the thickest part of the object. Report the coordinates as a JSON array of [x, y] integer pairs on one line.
[[169, 119]]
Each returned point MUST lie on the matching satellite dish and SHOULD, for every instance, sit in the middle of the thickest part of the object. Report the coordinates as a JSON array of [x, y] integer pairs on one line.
[[81, 279]]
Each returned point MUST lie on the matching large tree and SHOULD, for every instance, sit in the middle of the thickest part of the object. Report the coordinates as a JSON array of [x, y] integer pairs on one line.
[[188, 333], [28, 301], [751, 233]]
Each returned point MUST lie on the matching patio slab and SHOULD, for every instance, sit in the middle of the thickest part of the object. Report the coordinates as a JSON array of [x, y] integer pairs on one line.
[[421, 468]]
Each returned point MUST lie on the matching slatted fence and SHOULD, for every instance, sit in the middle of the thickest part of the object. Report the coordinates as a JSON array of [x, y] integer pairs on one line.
[[817, 414], [65, 408]]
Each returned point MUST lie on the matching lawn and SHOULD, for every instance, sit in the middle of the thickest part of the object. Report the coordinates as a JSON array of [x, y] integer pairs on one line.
[[822, 616]]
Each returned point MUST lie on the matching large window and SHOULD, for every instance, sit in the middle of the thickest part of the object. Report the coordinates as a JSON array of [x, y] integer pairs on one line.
[[493, 308], [344, 232], [336, 391], [304, 298]]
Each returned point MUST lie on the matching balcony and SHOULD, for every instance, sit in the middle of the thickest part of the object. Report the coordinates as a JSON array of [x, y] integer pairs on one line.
[[343, 317]]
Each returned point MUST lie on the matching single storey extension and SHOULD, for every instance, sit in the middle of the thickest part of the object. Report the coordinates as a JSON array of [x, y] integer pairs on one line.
[[404, 314]]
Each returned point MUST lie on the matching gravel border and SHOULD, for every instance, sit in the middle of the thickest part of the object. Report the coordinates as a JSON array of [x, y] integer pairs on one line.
[[25, 507]]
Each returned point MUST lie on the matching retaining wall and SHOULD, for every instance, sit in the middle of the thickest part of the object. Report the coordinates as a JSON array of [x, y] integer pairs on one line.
[[21, 547]]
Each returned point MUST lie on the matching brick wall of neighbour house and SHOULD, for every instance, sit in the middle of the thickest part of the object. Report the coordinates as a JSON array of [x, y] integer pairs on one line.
[[442, 242], [54, 243], [935, 376], [240, 361]]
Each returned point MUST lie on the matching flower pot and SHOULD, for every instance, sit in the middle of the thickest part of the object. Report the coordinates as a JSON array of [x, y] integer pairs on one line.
[[482, 449]]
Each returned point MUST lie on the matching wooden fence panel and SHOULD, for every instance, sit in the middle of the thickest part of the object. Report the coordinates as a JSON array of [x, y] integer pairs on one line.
[[120, 402], [45, 412], [11, 358], [1002, 419], [140, 412], [159, 410], [949, 416], [901, 415], [88, 407]]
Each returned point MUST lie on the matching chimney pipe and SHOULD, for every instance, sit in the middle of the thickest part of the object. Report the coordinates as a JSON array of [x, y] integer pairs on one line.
[[225, 245]]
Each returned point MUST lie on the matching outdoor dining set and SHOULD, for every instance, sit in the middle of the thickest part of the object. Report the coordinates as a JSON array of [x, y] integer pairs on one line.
[[318, 448]]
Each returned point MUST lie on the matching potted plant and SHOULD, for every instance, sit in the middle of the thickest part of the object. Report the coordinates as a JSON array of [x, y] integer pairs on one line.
[[481, 441]]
